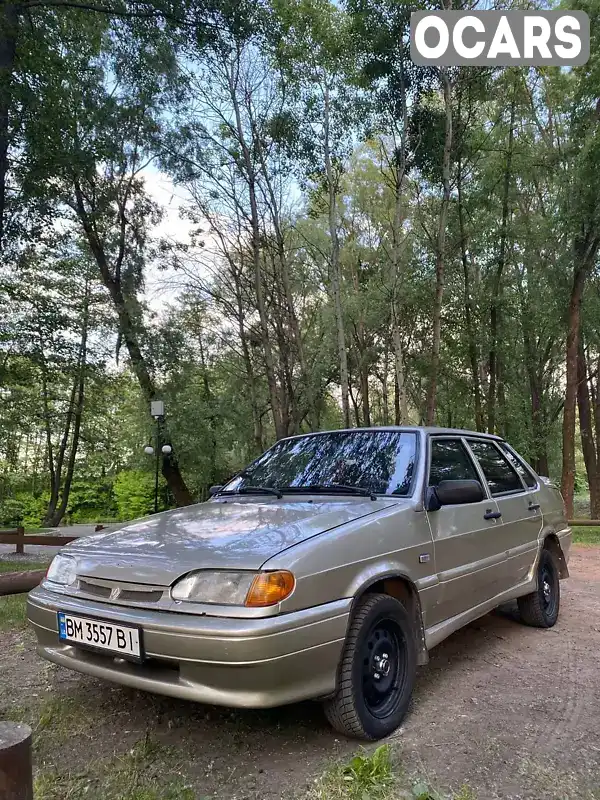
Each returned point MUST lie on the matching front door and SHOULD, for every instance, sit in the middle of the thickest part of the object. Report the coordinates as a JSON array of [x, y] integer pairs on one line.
[[469, 552]]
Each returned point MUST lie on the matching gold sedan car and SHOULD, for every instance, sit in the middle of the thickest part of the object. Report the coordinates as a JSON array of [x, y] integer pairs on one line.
[[326, 569]]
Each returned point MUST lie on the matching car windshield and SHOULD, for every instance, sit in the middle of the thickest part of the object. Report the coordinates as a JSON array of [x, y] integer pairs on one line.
[[381, 462]]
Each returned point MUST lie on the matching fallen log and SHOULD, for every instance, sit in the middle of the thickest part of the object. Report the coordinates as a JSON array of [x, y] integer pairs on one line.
[[20, 582], [586, 523]]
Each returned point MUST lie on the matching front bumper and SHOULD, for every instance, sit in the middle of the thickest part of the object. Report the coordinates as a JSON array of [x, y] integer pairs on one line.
[[252, 663]]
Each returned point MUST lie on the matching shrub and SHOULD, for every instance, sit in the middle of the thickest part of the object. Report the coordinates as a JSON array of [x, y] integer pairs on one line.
[[134, 494]]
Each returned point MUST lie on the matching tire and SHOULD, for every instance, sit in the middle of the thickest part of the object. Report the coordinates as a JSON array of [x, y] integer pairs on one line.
[[377, 671], [540, 608]]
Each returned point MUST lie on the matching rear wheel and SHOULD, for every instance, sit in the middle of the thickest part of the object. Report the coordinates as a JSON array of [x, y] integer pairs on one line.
[[540, 608], [377, 671]]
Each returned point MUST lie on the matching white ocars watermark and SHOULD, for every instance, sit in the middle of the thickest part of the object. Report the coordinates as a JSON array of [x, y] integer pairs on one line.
[[499, 38]]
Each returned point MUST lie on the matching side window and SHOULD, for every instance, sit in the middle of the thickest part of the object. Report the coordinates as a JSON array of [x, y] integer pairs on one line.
[[519, 465], [450, 462], [501, 477]]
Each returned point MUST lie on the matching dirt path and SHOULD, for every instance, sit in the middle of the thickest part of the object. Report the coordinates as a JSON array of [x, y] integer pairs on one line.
[[513, 711]]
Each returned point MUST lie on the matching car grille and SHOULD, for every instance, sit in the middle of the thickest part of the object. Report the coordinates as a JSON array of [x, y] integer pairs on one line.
[[96, 591], [116, 592]]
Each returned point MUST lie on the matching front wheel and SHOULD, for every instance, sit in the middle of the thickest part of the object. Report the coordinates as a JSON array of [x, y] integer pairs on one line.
[[377, 670], [540, 608]]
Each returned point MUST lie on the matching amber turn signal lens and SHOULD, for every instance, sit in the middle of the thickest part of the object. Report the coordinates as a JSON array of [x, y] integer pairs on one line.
[[270, 588]]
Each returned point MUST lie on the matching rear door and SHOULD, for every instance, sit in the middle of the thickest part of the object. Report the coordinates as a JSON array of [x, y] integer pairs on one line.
[[518, 504], [469, 554], [525, 558]]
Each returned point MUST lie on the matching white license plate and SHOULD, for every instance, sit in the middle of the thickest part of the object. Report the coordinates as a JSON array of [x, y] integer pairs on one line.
[[100, 635]]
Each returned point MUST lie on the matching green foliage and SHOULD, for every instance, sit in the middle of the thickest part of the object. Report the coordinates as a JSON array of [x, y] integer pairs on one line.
[[422, 791], [366, 776], [91, 500], [587, 536], [23, 509], [134, 494], [369, 775], [231, 108], [11, 512]]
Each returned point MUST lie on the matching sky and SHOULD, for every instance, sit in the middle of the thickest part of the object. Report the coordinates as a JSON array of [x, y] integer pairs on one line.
[[171, 199]]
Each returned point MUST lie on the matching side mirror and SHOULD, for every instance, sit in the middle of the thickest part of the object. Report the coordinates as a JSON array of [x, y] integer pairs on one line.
[[214, 490], [453, 493]]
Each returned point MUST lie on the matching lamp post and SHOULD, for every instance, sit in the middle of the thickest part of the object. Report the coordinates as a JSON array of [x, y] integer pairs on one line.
[[157, 411]]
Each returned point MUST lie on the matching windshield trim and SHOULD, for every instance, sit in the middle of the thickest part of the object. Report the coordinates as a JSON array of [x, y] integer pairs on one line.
[[393, 428]]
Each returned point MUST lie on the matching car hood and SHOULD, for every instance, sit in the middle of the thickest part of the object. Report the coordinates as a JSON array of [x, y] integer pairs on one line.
[[220, 534]]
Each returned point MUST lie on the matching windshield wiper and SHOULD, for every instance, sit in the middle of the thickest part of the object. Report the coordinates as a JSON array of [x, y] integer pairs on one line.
[[324, 488], [255, 490]]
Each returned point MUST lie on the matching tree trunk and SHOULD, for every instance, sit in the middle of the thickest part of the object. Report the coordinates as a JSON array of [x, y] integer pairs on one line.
[[584, 252], [468, 303], [399, 171], [256, 418], [384, 386], [48, 521], [364, 391], [48, 425], [336, 279], [9, 24], [78, 413], [588, 445], [170, 467], [284, 270], [497, 285], [440, 260], [250, 178], [595, 388], [355, 407], [274, 396]]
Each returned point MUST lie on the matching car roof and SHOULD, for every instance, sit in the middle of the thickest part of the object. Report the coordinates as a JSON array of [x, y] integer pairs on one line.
[[429, 430]]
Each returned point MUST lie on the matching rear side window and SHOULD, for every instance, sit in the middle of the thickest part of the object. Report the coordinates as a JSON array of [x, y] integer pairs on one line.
[[501, 477], [450, 462], [516, 462]]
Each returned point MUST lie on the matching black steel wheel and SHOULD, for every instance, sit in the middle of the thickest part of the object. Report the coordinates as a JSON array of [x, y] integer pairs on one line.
[[384, 667], [377, 671], [540, 608]]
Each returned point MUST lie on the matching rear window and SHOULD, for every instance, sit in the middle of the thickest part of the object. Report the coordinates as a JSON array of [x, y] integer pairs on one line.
[[519, 465], [499, 474]]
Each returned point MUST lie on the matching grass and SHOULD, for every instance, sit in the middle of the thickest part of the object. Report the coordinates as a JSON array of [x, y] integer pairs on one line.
[[374, 776], [131, 769], [22, 566], [586, 536], [149, 771], [13, 612], [13, 606]]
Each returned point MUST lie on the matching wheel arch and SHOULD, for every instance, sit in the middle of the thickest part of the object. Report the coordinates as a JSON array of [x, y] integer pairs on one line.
[[551, 542], [401, 587]]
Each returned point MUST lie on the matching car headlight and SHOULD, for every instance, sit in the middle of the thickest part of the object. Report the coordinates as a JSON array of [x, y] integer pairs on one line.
[[62, 570], [255, 590]]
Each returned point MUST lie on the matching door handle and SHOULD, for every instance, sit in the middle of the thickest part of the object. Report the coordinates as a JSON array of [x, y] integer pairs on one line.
[[534, 506], [489, 514]]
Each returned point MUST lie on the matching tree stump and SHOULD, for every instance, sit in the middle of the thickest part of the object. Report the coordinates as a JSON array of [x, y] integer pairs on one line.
[[16, 779]]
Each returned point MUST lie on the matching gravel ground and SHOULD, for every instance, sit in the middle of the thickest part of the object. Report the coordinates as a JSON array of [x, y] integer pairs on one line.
[[510, 710]]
